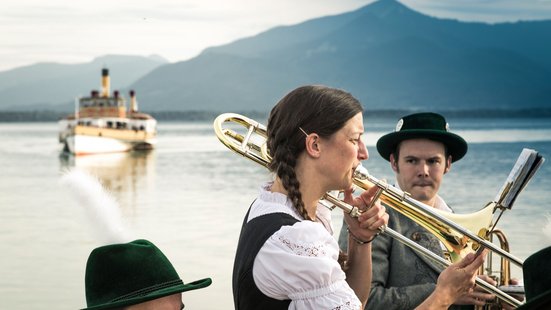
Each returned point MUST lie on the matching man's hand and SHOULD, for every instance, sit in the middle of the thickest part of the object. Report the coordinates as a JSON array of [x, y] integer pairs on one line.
[[478, 296]]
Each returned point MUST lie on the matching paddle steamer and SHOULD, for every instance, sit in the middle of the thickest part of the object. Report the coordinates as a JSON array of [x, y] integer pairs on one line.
[[102, 123]]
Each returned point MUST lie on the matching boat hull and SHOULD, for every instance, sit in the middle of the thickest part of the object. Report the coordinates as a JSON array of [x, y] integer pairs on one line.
[[82, 145], [85, 140]]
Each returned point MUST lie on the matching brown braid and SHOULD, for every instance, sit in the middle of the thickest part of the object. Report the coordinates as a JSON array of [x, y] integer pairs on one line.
[[286, 172]]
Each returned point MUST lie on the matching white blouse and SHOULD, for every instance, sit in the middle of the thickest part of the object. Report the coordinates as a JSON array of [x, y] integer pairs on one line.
[[299, 262]]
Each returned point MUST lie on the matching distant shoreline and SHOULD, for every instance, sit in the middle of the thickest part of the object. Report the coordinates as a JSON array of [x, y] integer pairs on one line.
[[49, 115]]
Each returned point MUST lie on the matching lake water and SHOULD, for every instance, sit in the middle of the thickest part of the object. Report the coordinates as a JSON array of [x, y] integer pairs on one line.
[[189, 197]]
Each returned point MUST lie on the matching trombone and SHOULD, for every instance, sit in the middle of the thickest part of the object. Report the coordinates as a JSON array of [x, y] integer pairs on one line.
[[458, 240]]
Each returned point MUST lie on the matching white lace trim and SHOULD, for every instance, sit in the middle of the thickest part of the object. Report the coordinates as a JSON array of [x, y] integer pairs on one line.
[[312, 250], [347, 306]]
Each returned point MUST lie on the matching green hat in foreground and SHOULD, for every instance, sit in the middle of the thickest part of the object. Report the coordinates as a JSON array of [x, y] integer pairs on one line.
[[427, 125], [119, 275], [536, 271]]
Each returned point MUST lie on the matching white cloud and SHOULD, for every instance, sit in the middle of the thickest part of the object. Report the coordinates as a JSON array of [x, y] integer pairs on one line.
[[79, 30]]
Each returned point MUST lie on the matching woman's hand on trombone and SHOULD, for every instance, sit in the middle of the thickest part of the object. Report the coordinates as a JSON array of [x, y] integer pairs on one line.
[[366, 226]]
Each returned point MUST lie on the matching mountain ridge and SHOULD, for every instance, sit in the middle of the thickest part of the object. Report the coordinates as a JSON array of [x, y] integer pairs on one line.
[[385, 54], [49, 85]]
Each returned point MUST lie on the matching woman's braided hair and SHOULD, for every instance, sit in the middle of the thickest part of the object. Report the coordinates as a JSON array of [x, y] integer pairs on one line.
[[313, 108]]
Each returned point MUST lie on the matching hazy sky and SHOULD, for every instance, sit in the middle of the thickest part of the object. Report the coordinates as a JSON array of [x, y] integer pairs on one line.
[[76, 31]]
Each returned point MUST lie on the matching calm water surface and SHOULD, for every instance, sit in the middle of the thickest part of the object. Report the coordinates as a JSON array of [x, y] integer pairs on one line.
[[189, 197]]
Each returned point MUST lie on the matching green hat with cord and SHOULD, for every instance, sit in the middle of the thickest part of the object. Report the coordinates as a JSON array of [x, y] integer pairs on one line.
[[536, 271], [119, 275], [426, 125]]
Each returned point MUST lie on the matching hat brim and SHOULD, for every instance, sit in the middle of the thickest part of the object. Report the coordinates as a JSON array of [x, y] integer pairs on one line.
[[457, 146], [541, 301], [155, 294]]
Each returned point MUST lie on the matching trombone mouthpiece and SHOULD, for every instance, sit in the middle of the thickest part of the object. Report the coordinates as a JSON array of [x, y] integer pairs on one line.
[[361, 172]]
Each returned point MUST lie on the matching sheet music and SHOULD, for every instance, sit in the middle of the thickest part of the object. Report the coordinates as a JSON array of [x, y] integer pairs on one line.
[[526, 165]]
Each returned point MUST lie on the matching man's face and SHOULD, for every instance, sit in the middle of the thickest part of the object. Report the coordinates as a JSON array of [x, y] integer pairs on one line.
[[420, 168], [171, 302]]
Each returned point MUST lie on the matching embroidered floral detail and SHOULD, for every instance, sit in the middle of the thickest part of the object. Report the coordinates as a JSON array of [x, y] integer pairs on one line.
[[346, 306], [304, 250]]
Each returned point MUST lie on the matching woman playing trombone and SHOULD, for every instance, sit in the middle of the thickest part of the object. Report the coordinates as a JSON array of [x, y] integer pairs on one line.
[[287, 257]]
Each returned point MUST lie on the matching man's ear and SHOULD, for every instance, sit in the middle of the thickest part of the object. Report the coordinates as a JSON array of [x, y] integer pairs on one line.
[[448, 164], [393, 163], [312, 145]]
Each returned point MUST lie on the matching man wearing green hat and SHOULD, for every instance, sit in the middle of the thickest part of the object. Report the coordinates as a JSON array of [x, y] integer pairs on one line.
[[420, 151], [134, 276]]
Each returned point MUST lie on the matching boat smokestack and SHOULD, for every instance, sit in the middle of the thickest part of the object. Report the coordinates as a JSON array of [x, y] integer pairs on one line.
[[133, 102], [105, 83]]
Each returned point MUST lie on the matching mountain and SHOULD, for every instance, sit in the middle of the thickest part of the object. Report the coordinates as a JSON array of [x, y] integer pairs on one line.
[[387, 55], [46, 86]]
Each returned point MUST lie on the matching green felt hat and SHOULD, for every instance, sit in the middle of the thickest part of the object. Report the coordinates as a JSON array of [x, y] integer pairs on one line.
[[426, 125], [536, 271], [119, 275]]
